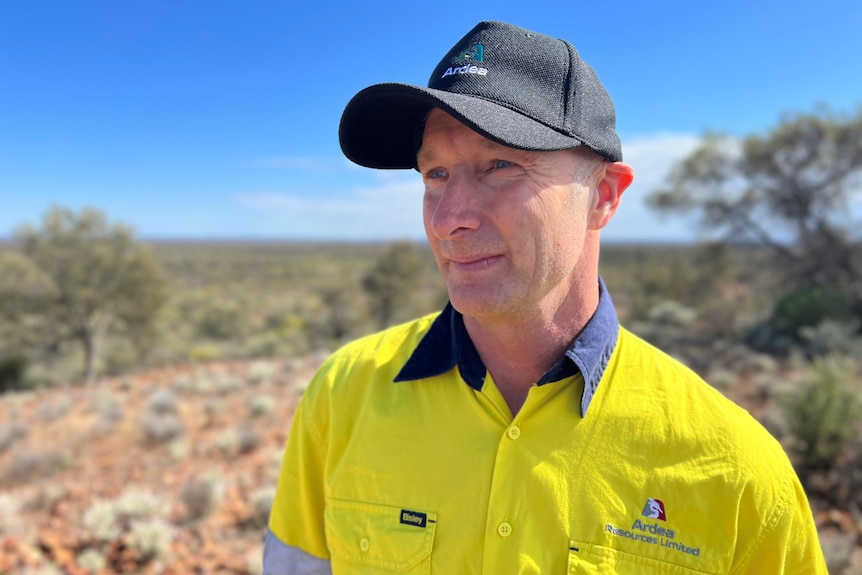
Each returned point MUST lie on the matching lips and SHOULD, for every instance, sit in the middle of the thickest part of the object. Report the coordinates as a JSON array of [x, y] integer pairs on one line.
[[473, 262]]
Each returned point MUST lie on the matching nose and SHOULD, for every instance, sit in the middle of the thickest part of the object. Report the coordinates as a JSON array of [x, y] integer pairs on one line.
[[454, 208]]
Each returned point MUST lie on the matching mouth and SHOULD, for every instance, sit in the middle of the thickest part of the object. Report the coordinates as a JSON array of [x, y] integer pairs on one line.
[[473, 263]]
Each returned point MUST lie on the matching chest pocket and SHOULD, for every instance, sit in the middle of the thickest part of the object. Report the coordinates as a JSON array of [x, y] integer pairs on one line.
[[367, 538], [589, 559]]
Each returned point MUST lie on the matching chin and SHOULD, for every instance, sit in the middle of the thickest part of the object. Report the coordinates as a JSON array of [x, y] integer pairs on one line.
[[477, 303]]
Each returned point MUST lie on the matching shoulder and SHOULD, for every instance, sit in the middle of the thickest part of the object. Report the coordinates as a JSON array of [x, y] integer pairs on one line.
[[685, 412], [385, 351], [369, 361], [679, 430]]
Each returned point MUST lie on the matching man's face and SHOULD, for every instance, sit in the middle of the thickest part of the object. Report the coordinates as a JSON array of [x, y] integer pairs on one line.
[[507, 227]]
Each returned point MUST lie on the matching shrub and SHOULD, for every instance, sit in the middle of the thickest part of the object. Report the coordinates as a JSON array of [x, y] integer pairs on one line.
[[225, 384], [260, 405], [162, 402], [100, 520], [795, 319], [774, 419], [837, 550], [135, 513], [392, 281], [261, 503], [52, 410], [151, 537], [254, 563], [140, 504], [722, 379], [10, 433], [159, 421], [807, 307], [48, 495], [105, 401], [822, 413], [204, 352], [261, 372], [247, 439], [109, 411], [160, 429], [12, 371], [26, 465], [48, 569], [669, 312], [224, 320], [10, 520], [204, 384], [178, 450], [214, 406], [92, 561], [198, 497], [832, 336], [225, 441]]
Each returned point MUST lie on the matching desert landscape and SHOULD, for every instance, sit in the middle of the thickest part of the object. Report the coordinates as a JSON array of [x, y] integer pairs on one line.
[[168, 464]]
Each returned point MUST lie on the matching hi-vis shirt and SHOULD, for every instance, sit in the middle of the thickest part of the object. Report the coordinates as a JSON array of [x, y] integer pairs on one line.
[[404, 458]]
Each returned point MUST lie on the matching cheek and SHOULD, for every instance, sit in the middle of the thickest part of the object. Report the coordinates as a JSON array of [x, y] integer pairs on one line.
[[429, 204]]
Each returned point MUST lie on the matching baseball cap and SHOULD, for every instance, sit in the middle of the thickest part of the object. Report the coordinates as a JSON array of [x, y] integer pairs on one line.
[[518, 88]]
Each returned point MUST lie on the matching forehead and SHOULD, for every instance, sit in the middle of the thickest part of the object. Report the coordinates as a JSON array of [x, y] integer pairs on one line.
[[443, 131]]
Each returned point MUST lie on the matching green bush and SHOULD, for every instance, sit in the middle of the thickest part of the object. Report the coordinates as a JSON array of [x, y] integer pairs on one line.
[[224, 320], [808, 307], [821, 415], [12, 371], [795, 315]]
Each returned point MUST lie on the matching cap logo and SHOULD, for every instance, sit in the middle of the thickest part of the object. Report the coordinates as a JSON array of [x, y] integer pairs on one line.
[[475, 53]]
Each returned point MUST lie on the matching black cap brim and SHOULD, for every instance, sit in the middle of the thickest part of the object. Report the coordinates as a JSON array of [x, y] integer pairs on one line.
[[380, 125]]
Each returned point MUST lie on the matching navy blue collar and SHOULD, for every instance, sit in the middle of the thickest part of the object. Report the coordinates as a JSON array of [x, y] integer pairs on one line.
[[447, 344]]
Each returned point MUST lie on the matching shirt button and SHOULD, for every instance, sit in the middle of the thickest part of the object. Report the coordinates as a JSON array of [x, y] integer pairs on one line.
[[504, 529], [514, 432], [364, 544]]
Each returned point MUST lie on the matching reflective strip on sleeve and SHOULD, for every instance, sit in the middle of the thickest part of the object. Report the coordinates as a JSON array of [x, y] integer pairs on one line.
[[282, 559]]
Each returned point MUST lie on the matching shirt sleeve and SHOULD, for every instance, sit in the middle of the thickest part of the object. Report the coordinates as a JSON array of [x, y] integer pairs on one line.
[[296, 539], [789, 544], [281, 559]]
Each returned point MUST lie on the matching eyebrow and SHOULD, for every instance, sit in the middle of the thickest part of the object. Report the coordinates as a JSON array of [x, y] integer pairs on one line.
[[428, 156]]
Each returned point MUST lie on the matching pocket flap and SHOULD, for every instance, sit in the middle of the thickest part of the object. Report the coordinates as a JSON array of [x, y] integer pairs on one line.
[[384, 536]]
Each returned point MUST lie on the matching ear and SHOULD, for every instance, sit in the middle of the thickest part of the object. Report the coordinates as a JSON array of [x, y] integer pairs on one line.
[[614, 178]]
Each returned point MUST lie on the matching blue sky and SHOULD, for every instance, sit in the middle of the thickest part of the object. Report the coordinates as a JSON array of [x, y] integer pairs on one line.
[[193, 119]]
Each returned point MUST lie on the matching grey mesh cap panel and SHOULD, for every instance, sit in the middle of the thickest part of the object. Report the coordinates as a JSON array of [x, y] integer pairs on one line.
[[519, 88]]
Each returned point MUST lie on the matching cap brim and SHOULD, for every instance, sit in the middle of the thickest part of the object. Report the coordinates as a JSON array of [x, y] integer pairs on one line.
[[379, 126]]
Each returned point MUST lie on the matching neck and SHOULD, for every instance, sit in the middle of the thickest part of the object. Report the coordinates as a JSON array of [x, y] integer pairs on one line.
[[519, 350]]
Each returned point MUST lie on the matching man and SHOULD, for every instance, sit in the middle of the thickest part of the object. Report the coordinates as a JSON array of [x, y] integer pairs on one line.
[[521, 430]]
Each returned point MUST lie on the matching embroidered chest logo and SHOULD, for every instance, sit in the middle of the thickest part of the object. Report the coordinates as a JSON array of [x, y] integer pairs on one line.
[[653, 533]]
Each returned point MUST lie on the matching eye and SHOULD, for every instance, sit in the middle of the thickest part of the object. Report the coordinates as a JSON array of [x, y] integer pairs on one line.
[[500, 164], [435, 173]]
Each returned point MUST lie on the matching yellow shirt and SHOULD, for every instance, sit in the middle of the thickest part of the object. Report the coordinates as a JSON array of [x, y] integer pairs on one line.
[[662, 474]]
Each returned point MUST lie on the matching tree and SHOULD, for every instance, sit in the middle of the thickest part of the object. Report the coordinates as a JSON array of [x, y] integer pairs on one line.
[[789, 190], [22, 288], [391, 281], [86, 279]]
